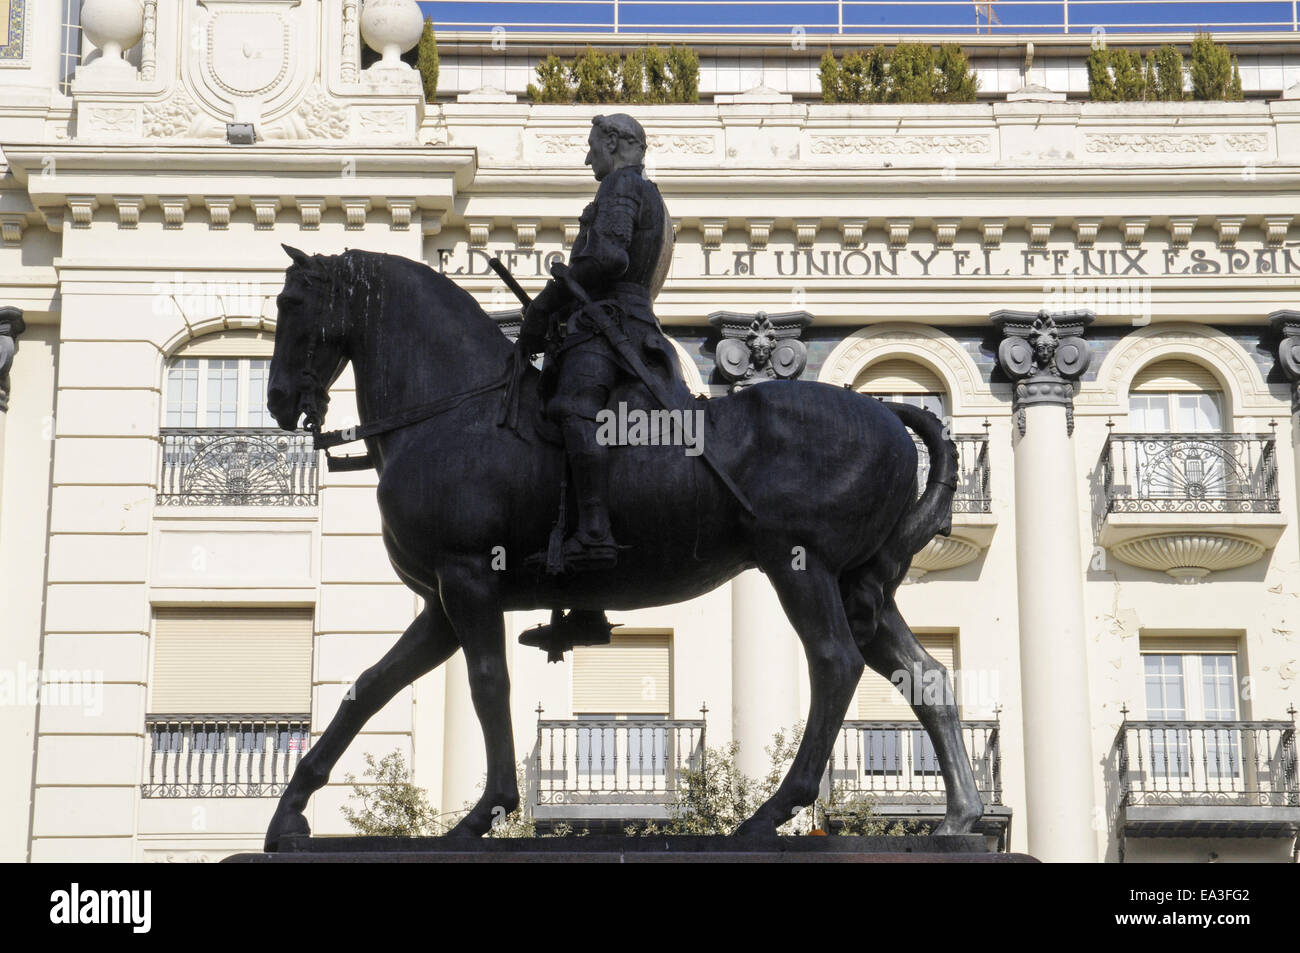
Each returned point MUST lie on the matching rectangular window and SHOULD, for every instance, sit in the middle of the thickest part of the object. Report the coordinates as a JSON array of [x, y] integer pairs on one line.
[[69, 44], [232, 661], [630, 676], [1192, 679]]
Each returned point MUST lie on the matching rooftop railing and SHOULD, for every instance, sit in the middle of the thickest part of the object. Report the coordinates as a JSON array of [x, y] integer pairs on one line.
[[943, 17]]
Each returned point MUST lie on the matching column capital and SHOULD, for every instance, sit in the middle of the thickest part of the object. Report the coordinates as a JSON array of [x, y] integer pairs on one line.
[[1044, 354], [11, 325], [1287, 325], [760, 347]]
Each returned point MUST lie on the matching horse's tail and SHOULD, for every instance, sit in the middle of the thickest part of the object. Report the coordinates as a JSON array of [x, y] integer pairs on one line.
[[930, 515]]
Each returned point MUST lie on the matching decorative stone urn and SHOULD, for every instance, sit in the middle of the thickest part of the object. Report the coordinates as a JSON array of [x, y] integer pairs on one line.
[[114, 26], [391, 27]]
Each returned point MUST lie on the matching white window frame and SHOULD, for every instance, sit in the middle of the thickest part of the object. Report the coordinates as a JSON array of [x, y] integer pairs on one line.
[[243, 393], [1224, 769]]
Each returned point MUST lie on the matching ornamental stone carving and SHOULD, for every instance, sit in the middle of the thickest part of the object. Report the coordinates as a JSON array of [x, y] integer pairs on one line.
[[170, 118], [760, 347], [11, 325], [898, 145], [1044, 354], [1287, 324], [1167, 143]]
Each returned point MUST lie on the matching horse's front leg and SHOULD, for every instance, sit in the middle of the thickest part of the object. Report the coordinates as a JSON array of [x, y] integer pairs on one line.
[[426, 644], [474, 607]]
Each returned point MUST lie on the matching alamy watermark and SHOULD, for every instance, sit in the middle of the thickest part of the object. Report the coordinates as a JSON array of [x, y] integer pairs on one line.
[[62, 688], [622, 426]]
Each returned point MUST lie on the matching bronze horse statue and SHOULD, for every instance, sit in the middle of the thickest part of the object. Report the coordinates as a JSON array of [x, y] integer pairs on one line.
[[831, 476]]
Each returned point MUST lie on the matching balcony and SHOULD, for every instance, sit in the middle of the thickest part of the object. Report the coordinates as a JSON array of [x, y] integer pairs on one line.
[[1208, 779], [972, 520], [261, 466], [611, 770], [894, 765], [222, 756], [1189, 504]]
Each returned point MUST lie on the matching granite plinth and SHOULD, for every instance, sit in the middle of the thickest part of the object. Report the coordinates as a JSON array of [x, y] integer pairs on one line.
[[961, 848]]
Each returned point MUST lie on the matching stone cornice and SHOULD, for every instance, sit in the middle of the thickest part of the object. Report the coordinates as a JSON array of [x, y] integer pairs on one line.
[[218, 179]]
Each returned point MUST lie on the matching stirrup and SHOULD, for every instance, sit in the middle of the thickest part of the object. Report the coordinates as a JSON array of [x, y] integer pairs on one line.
[[566, 630]]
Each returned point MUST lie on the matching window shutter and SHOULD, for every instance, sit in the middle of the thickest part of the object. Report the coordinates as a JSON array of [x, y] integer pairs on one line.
[[879, 700], [1175, 376], [232, 661], [1189, 644], [231, 344], [632, 675], [898, 376]]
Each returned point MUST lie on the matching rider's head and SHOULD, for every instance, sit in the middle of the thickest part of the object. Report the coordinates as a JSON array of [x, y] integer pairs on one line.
[[616, 141]]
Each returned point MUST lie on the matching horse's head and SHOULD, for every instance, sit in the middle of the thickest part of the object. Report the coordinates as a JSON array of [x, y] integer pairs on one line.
[[310, 334]]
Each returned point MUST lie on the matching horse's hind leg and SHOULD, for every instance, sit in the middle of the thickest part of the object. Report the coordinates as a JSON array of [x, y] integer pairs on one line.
[[891, 647], [426, 644], [811, 599]]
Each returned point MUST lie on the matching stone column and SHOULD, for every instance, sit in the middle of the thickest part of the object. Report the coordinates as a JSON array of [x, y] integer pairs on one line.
[[1287, 325], [1045, 355], [11, 325], [765, 660]]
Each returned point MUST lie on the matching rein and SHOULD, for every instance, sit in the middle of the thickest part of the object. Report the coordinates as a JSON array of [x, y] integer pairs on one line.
[[333, 438]]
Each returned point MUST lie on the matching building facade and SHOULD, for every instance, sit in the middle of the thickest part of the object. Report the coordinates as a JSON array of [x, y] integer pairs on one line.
[[1102, 299]]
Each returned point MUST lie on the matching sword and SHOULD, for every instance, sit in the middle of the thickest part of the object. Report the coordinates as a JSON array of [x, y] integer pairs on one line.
[[509, 416], [509, 279]]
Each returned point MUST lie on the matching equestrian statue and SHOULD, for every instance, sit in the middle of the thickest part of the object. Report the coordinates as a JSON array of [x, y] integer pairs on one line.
[[476, 449]]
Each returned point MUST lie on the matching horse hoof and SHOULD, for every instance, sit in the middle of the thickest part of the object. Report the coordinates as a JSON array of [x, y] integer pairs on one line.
[[960, 821], [283, 825]]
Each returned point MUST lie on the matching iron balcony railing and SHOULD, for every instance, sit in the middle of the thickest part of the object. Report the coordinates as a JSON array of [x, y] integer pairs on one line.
[[249, 466], [894, 763], [972, 494], [1208, 763], [614, 762], [1190, 473], [223, 755]]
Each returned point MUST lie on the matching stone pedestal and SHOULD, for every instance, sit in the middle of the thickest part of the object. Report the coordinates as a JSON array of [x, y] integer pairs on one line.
[[964, 848]]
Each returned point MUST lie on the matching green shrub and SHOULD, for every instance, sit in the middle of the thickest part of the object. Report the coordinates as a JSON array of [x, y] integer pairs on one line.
[[1169, 74], [910, 73], [650, 75], [596, 75], [684, 69], [553, 84], [428, 61], [957, 81], [391, 806], [1101, 87], [1214, 71]]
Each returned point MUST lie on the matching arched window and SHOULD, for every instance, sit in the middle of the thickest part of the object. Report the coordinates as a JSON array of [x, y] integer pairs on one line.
[[1175, 397], [1176, 451], [220, 446], [905, 382], [219, 381]]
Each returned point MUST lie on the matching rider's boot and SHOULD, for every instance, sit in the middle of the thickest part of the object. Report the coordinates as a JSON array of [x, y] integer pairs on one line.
[[592, 545]]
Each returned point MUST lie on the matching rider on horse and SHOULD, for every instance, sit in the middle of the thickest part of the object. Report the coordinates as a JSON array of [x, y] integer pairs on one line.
[[619, 260]]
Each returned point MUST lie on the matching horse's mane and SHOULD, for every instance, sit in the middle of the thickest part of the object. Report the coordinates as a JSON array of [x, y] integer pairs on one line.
[[357, 270]]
